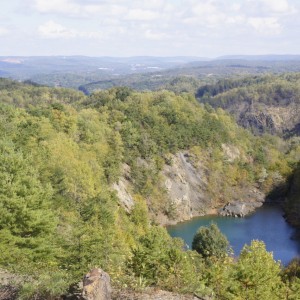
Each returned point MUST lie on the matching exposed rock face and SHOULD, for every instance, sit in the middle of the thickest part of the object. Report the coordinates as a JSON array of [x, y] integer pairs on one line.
[[261, 118], [125, 198], [96, 286], [239, 209], [122, 189], [186, 187], [259, 122], [185, 181], [251, 201], [231, 153]]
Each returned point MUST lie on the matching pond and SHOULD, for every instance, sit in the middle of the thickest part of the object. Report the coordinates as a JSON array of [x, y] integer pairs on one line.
[[266, 224]]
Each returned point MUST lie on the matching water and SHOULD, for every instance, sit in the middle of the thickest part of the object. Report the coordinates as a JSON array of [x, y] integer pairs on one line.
[[266, 224]]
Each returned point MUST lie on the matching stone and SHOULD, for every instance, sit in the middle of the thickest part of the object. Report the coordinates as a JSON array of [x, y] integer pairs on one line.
[[96, 285], [239, 209]]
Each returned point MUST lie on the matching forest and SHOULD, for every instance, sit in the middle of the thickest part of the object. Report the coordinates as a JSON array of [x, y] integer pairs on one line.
[[263, 104], [62, 151]]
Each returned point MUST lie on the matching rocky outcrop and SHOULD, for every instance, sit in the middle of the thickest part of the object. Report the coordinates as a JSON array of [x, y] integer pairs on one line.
[[253, 200], [153, 294], [261, 118], [239, 209], [186, 185], [96, 285], [122, 188], [184, 180], [259, 122], [230, 152]]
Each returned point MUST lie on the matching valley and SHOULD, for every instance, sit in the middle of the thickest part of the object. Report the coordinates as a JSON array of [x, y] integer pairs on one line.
[[91, 179]]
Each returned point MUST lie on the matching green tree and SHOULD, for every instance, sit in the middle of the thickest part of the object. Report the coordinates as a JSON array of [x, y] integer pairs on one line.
[[291, 277], [158, 259], [27, 223], [209, 241], [257, 274]]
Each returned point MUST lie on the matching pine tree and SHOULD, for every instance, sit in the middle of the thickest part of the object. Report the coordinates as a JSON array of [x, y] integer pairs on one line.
[[257, 274], [26, 221]]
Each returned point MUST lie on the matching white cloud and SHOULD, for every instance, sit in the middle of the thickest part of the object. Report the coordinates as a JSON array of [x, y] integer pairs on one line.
[[102, 9], [54, 30], [158, 36], [138, 27], [56, 6], [205, 8], [238, 19], [141, 15], [236, 7], [206, 13], [3, 31], [279, 6], [269, 25]]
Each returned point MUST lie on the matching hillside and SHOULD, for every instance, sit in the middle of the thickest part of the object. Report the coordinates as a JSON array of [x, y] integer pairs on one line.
[[292, 206], [86, 178], [264, 104]]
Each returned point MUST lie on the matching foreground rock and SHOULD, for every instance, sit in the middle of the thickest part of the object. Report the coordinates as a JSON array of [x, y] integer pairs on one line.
[[9, 285], [153, 294], [96, 286]]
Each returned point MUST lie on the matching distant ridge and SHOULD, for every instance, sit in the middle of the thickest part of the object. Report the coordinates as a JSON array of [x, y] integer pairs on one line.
[[267, 57]]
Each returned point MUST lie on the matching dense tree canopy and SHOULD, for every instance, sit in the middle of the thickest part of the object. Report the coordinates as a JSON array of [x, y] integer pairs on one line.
[[60, 154]]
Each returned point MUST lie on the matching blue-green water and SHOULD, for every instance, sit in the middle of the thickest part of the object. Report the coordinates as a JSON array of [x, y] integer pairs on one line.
[[266, 224]]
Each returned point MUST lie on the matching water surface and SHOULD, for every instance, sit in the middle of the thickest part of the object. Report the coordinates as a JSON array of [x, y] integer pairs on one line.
[[266, 224]]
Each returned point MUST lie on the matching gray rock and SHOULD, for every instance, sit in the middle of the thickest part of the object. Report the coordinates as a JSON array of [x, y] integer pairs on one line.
[[262, 118], [9, 285], [96, 285], [239, 209], [186, 187], [123, 190]]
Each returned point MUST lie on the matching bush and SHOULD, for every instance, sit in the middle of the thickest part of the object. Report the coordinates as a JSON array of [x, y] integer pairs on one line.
[[209, 241]]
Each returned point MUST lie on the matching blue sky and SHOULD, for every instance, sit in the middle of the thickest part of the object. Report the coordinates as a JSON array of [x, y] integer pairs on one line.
[[207, 28]]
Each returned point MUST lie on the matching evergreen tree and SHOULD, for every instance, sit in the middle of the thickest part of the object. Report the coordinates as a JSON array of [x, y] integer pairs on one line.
[[257, 274], [209, 241], [26, 221]]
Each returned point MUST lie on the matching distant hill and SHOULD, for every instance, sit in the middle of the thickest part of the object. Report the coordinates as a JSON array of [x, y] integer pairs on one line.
[[265, 104], [201, 71], [268, 57], [27, 66], [140, 72]]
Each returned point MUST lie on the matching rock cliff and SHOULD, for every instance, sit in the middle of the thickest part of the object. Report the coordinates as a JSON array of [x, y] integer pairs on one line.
[[186, 187], [261, 118], [184, 182], [264, 104]]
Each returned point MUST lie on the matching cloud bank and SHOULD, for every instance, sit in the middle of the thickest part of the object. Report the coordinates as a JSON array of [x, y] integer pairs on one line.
[[152, 27]]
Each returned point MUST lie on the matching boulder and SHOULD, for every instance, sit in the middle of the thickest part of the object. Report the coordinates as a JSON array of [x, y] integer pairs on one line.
[[96, 285], [239, 209]]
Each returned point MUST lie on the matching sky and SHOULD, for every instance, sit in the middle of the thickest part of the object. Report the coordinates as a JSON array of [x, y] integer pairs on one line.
[[203, 28]]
